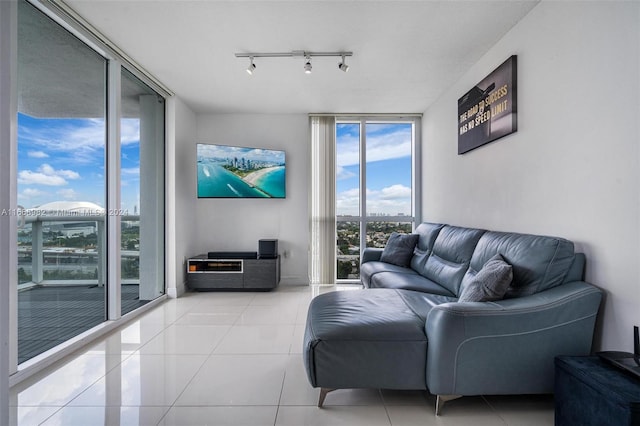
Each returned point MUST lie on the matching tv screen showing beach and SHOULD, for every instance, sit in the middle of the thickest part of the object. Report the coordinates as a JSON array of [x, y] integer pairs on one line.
[[238, 172]]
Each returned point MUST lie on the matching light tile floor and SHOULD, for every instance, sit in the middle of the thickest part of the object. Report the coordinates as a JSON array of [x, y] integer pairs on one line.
[[231, 359]]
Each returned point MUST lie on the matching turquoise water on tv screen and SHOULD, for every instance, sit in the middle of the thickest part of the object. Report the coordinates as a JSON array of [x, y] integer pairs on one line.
[[273, 183], [215, 181]]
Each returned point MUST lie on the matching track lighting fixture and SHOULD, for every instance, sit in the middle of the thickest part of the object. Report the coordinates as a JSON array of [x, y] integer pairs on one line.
[[342, 66], [296, 54], [252, 66]]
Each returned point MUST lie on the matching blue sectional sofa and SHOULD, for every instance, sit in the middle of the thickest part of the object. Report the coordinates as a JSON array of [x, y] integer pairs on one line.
[[407, 330]]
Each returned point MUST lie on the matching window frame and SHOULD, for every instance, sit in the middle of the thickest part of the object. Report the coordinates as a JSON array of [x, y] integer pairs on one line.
[[416, 189]]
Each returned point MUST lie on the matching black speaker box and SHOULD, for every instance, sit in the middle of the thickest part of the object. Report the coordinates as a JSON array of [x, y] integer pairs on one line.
[[267, 249]]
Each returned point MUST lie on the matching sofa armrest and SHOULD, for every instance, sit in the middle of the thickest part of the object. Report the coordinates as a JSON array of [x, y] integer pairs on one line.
[[370, 254], [509, 346]]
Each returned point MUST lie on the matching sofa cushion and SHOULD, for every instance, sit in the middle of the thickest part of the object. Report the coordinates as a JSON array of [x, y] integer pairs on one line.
[[370, 338], [406, 281], [369, 269], [399, 249], [490, 283], [421, 303], [538, 262], [450, 257]]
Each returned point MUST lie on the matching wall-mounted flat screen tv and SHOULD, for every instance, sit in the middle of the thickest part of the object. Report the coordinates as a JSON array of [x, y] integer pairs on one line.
[[238, 172]]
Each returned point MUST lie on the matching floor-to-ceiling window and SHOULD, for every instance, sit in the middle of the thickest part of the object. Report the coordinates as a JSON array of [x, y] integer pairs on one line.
[[76, 202], [62, 108], [375, 186], [142, 166]]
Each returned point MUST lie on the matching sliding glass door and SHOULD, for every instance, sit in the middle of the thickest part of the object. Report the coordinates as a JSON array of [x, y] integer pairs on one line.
[[62, 87], [76, 202], [375, 186]]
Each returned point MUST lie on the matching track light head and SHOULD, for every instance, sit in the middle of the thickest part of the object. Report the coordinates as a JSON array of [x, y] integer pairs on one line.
[[342, 66], [252, 67], [307, 66]]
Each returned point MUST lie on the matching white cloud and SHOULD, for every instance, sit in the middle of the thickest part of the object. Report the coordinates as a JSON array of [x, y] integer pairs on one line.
[[392, 200], [389, 146], [46, 175], [37, 154], [395, 192], [68, 194], [380, 145], [389, 207], [129, 131], [130, 171], [347, 150], [50, 171], [69, 174], [28, 177], [31, 193], [342, 173], [84, 140], [348, 202], [130, 176]]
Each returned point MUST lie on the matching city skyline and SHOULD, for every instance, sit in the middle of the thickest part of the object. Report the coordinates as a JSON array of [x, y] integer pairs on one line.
[[224, 152]]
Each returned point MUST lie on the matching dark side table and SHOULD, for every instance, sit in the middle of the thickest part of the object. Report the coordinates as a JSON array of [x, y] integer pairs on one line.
[[590, 391]]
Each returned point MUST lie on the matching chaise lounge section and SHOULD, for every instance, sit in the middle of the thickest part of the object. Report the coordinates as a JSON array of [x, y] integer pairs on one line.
[[408, 330]]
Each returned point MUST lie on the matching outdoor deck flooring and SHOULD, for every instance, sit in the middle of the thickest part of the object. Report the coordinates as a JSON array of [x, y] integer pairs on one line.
[[48, 316]]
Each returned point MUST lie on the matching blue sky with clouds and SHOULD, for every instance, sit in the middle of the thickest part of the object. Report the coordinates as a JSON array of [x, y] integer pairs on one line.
[[388, 168], [64, 160]]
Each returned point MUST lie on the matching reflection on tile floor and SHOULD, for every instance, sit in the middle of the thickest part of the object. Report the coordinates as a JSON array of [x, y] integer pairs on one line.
[[231, 359]]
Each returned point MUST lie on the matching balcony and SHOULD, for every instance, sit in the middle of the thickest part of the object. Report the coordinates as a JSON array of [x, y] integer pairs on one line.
[[62, 276]]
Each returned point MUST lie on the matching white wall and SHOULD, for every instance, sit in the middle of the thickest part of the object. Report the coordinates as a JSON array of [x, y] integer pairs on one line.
[[185, 203], [572, 169], [230, 224]]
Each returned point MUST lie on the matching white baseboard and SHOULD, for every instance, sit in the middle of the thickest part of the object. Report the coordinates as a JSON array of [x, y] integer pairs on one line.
[[175, 292]]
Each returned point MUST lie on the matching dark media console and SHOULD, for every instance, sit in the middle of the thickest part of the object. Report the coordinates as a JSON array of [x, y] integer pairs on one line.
[[236, 270]]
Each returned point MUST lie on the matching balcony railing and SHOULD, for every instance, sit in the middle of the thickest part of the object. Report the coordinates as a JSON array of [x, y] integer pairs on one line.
[[49, 253]]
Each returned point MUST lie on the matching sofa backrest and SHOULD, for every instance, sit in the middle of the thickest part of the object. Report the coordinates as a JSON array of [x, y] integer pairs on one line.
[[428, 233], [449, 257], [538, 262], [576, 272]]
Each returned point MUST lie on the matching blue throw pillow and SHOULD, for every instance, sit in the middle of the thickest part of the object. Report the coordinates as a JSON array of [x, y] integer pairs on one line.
[[399, 249], [490, 283]]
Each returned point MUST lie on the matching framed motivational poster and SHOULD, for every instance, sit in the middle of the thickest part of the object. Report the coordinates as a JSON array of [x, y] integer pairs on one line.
[[489, 110]]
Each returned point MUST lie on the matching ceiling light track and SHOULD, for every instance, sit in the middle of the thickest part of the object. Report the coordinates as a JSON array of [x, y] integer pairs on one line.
[[292, 54], [301, 54]]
